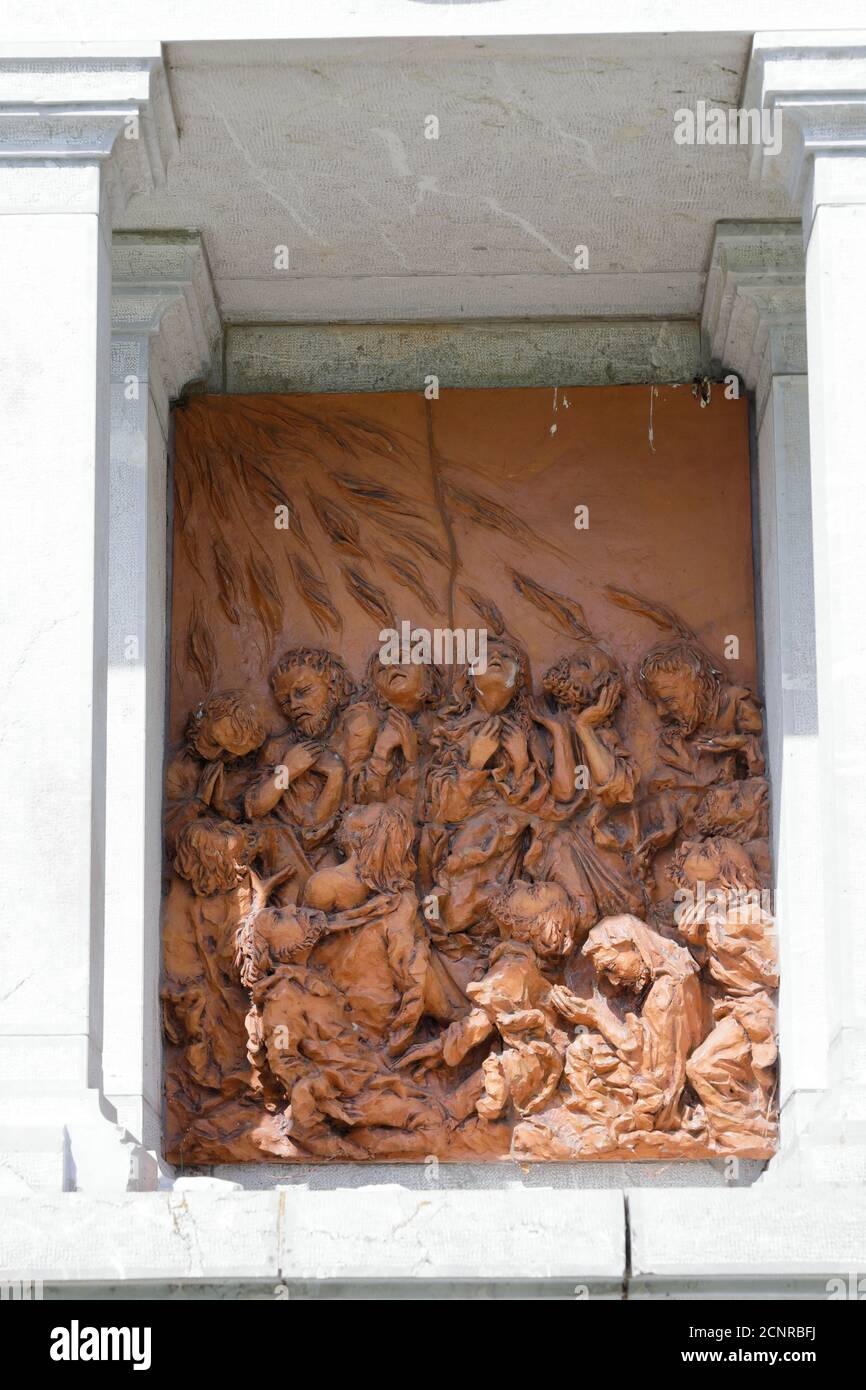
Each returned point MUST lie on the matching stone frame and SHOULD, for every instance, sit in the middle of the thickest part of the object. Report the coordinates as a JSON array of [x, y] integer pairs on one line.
[[796, 1226]]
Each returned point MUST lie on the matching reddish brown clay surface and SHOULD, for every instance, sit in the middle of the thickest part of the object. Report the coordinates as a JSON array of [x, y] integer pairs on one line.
[[466, 902]]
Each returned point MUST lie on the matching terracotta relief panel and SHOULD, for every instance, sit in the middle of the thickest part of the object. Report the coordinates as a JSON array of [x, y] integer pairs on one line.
[[465, 807]]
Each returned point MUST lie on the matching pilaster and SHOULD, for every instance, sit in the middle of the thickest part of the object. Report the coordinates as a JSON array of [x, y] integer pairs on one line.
[[816, 84], [165, 330], [77, 134]]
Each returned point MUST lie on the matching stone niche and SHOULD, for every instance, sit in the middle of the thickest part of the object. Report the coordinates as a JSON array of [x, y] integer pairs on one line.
[[466, 815]]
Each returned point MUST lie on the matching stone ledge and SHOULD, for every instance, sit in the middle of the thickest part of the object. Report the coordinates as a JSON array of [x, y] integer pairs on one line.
[[379, 1235], [783, 1241], [388, 1233], [505, 353], [208, 1241], [76, 1237]]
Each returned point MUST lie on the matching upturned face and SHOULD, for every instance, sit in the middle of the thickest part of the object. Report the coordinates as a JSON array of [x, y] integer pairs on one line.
[[676, 696], [496, 687], [401, 686], [707, 860], [240, 844], [701, 862], [692, 927], [303, 695]]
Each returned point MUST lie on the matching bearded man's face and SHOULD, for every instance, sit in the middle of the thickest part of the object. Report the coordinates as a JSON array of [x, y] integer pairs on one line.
[[303, 695]]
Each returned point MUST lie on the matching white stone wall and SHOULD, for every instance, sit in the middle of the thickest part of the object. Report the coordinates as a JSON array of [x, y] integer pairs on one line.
[[83, 570]]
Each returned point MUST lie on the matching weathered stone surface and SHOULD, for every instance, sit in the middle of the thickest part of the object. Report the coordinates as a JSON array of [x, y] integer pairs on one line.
[[140, 1236], [398, 357], [388, 1233], [682, 1239]]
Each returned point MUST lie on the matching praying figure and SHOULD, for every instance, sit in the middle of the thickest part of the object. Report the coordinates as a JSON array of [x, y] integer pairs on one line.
[[490, 772], [625, 1076], [301, 777], [385, 733]]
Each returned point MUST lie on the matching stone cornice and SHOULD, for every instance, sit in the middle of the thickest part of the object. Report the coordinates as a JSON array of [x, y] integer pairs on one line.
[[816, 82], [754, 314], [161, 284], [113, 111]]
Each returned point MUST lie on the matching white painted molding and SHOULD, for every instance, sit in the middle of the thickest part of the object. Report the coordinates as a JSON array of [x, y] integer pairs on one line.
[[754, 314], [817, 82], [161, 284], [112, 111]]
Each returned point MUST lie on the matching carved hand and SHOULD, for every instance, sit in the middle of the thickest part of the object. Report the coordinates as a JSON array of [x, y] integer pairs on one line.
[[603, 708], [408, 736], [514, 744], [212, 792], [485, 743], [397, 732], [575, 1009], [301, 756], [722, 743]]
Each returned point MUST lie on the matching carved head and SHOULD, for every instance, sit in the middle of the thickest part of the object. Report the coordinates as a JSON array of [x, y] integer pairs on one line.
[[402, 686], [716, 882], [225, 726], [720, 862], [506, 677], [578, 679], [213, 856], [621, 965], [629, 955], [736, 809], [380, 837], [681, 681], [311, 686], [539, 914]]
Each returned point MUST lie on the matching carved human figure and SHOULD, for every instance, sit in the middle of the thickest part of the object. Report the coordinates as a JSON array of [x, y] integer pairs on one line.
[[585, 853], [206, 778], [301, 777], [512, 1000], [306, 1048], [414, 911], [385, 966], [203, 1007], [626, 1075], [737, 810], [740, 811], [490, 772], [721, 916], [385, 732], [711, 733], [712, 728]]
